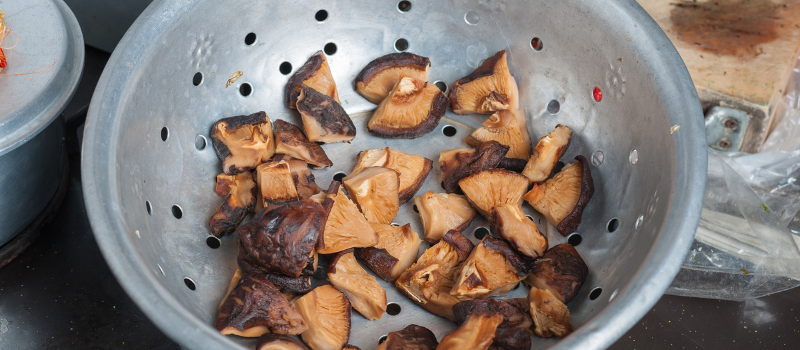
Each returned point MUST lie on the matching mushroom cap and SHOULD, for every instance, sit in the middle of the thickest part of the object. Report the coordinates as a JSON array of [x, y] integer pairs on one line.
[[563, 198], [377, 79], [413, 108]]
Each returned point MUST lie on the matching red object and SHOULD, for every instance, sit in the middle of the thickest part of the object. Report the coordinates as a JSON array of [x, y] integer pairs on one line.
[[2, 59], [597, 94]]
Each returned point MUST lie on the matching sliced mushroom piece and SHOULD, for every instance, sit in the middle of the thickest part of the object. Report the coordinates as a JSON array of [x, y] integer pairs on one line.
[[505, 128], [547, 153], [279, 342], [413, 108], [377, 79], [488, 89], [326, 310], [237, 276], [240, 198], [561, 270], [324, 119], [316, 74], [413, 169], [376, 191], [492, 269], [243, 142], [276, 183], [346, 226], [395, 252], [442, 212], [493, 188], [361, 288], [476, 333], [303, 179], [512, 164], [459, 163], [562, 198], [412, 337], [319, 198], [549, 314], [280, 239], [514, 332], [428, 282], [350, 347], [285, 284], [290, 140], [255, 307], [509, 222]]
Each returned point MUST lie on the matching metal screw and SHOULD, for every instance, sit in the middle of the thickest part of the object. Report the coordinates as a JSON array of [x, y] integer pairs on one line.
[[730, 123], [725, 143]]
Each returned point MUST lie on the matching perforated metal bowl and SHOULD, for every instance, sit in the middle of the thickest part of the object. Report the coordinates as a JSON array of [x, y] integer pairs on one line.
[[149, 169]]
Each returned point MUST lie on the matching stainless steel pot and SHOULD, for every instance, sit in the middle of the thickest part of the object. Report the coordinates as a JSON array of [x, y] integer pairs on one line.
[[31, 143], [148, 169]]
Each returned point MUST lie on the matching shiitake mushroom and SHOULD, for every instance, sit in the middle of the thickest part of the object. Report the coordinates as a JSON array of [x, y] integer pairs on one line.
[[488, 89], [492, 269], [276, 183], [509, 222], [493, 188], [412, 337], [326, 310], [316, 74], [459, 163], [476, 333], [561, 270], [271, 341], [346, 227], [361, 288], [255, 307], [413, 108], [239, 192], [412, 169], [291, 141], [394, 253], [243, 142], [550, 315], [505, 128], [377, 79], [324, 119], [548, 151], [376, 191], [562, 198], [442, 212], [514, 332]]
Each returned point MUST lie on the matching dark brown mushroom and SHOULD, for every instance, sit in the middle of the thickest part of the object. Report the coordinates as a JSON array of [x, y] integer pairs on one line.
[[412, 337], [560, 270], [275, 182], [394, 253], [316, 74], [324, 119], [279, 342], [361, 288], [285, 284], [550, 315], [281, 239], [243, 142], [255, 307], [376, 191], [493, 188], [513, 164], [346, 226], [413, 108], [562, 198], [510, 223], [290, 140], [476, 333], [442, 212], [326, 310], [239, 192], [505, 128], [514, 332], [492, 269], [488, 89], [457, 164], [413, 169], [350, 347], [377, 79], [547, 153], [303, 179]]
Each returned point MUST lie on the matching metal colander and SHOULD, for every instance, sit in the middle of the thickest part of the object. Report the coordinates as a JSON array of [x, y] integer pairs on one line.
[[149, 168]]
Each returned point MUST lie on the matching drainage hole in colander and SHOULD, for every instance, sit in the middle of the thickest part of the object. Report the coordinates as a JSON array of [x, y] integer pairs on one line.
[[394, 224], [529, 217], [149, 207], [401, 44], [250, 39], [517, 286], [537, 44], [160, 270], [634, 157], [472, 18], [639, 221], [189, 283], [381, 339], [393, 309], [321, 15], [441, 85], [416, 210], [481, 232], [177, 212], [200, 142], [285, 68], [245, 89], [595, 293], [597, 94], [404, 6], [612, 225], [330, 49], [553, 107], [164, 133], [339, 176], [197, 79], [574, 239], [213, 242], [442, 184], [597, 158], [449, 131]]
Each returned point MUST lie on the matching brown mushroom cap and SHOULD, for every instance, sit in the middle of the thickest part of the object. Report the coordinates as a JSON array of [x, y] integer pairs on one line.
[[477, 333], [361, 288], [493, 188], [547, 153], [411, 110], [316, 74], [492, 269], [510, 223], [285, 284], [376, 191], [488, 89], [412, 337], [457, 164], [303, 179], [550, 315], [442, 212], [270, 341], [243, 142], [562, 199], [377, 79], [326, 310], [395, 252], [255, 307], [505, 128], [514, 332], [413, 169], [324, 119], [512, 164], [281, 239], [561, 270], [346, 226], [240, 198], [276, 183], [290, 140]]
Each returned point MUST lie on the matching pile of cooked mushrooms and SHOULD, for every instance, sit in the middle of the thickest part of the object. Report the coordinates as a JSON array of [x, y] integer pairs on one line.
[[296, 224]]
